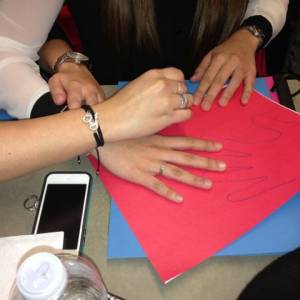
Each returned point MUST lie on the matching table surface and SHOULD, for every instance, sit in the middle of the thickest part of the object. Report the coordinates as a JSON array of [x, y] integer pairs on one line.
[[218, 278]]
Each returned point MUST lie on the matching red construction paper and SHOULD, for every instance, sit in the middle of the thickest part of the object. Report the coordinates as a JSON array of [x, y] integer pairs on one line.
[[261, 148]]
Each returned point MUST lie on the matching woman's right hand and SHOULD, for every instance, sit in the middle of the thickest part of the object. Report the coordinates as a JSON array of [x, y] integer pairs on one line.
[[146, 105]]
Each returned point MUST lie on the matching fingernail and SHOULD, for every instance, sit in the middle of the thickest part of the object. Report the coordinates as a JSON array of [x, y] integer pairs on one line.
[[196, 100], [222, 102], [207, 184], [205, 105], [218, 146], [221, 165], [59, 98], [244, 100], [178, 198]]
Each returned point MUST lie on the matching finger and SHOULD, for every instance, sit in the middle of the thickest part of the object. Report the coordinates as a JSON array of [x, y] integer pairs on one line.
[[233, 85], [248, 88], [186, 143], [201, 69], [159, 188], [93, 94], [180, 115], [180, 175], [91, 100], [57, 90], [181, 87], [182, 101], [100, 98], [75, 96], [218, 83], [101, 95], [177, 87], [192, 160], [173, 74], [206, 81]]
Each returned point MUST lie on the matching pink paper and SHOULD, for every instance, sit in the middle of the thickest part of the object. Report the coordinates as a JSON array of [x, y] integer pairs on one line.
[[261, 148]]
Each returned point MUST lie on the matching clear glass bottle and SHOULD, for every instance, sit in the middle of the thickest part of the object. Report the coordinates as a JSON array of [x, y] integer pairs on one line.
[[45, 276]]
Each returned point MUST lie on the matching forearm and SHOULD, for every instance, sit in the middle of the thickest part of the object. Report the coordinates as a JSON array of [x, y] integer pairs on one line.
[[33, 144], [50, 52], [36, 143]]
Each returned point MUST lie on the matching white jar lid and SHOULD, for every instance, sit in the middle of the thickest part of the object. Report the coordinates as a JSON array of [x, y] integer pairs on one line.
[[41, 276]]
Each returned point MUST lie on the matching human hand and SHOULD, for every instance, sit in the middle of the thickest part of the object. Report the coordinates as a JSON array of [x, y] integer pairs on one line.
[[146, 105], [146, 160], [74, 83], [233, 61]]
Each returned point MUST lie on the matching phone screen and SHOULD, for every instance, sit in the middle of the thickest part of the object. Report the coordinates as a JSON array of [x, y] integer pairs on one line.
[[62, 211]]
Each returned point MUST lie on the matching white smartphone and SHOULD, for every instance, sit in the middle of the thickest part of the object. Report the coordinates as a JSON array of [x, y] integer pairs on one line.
[[63, 207]]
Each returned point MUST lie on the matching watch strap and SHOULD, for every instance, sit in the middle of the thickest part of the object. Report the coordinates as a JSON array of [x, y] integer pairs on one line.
[[259, 26], [72, 57]]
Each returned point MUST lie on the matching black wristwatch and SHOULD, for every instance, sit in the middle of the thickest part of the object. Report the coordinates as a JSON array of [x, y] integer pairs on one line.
[[72, 57]]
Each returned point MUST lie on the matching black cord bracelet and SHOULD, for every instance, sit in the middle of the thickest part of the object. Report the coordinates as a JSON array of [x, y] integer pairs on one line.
[[94, 124], [91, 119]]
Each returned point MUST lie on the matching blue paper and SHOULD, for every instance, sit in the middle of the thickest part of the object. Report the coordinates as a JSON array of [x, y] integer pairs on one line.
[[278, 234], [4, 115]]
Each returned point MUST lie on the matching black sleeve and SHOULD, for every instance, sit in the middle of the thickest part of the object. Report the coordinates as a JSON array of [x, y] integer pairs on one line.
[[45, 106], [263, 24], [57, 32]]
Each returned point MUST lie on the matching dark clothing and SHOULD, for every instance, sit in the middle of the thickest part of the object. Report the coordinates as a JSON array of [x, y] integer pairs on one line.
[[45, 106], [292, 59], [283, 53], [174, 25], [278, 281]]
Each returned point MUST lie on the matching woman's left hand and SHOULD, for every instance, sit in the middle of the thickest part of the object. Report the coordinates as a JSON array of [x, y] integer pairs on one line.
[[141, 160], [233, 61]]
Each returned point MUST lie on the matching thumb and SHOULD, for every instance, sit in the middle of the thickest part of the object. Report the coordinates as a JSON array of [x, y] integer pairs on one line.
[[181, 115], [57, 90]]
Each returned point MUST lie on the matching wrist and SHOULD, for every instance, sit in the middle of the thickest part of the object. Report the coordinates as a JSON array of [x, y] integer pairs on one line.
[[71, 67], [245, 36], [259, 26]]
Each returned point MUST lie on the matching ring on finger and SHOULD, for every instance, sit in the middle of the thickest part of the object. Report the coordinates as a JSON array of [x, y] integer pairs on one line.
[[183, 101], [179, 88], [161, 169]]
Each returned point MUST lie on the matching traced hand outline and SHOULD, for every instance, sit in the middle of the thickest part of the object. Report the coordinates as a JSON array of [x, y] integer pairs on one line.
[[251, 156]]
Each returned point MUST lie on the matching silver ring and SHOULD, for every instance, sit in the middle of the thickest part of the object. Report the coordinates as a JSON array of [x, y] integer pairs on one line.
[[31, 203], [161, 170], [179, 88], [183, 101]]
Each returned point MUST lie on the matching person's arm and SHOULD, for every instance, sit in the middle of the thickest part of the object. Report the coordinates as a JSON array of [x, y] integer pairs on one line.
[[233, 61], [145, 106], [24, 26], [71, 82]]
